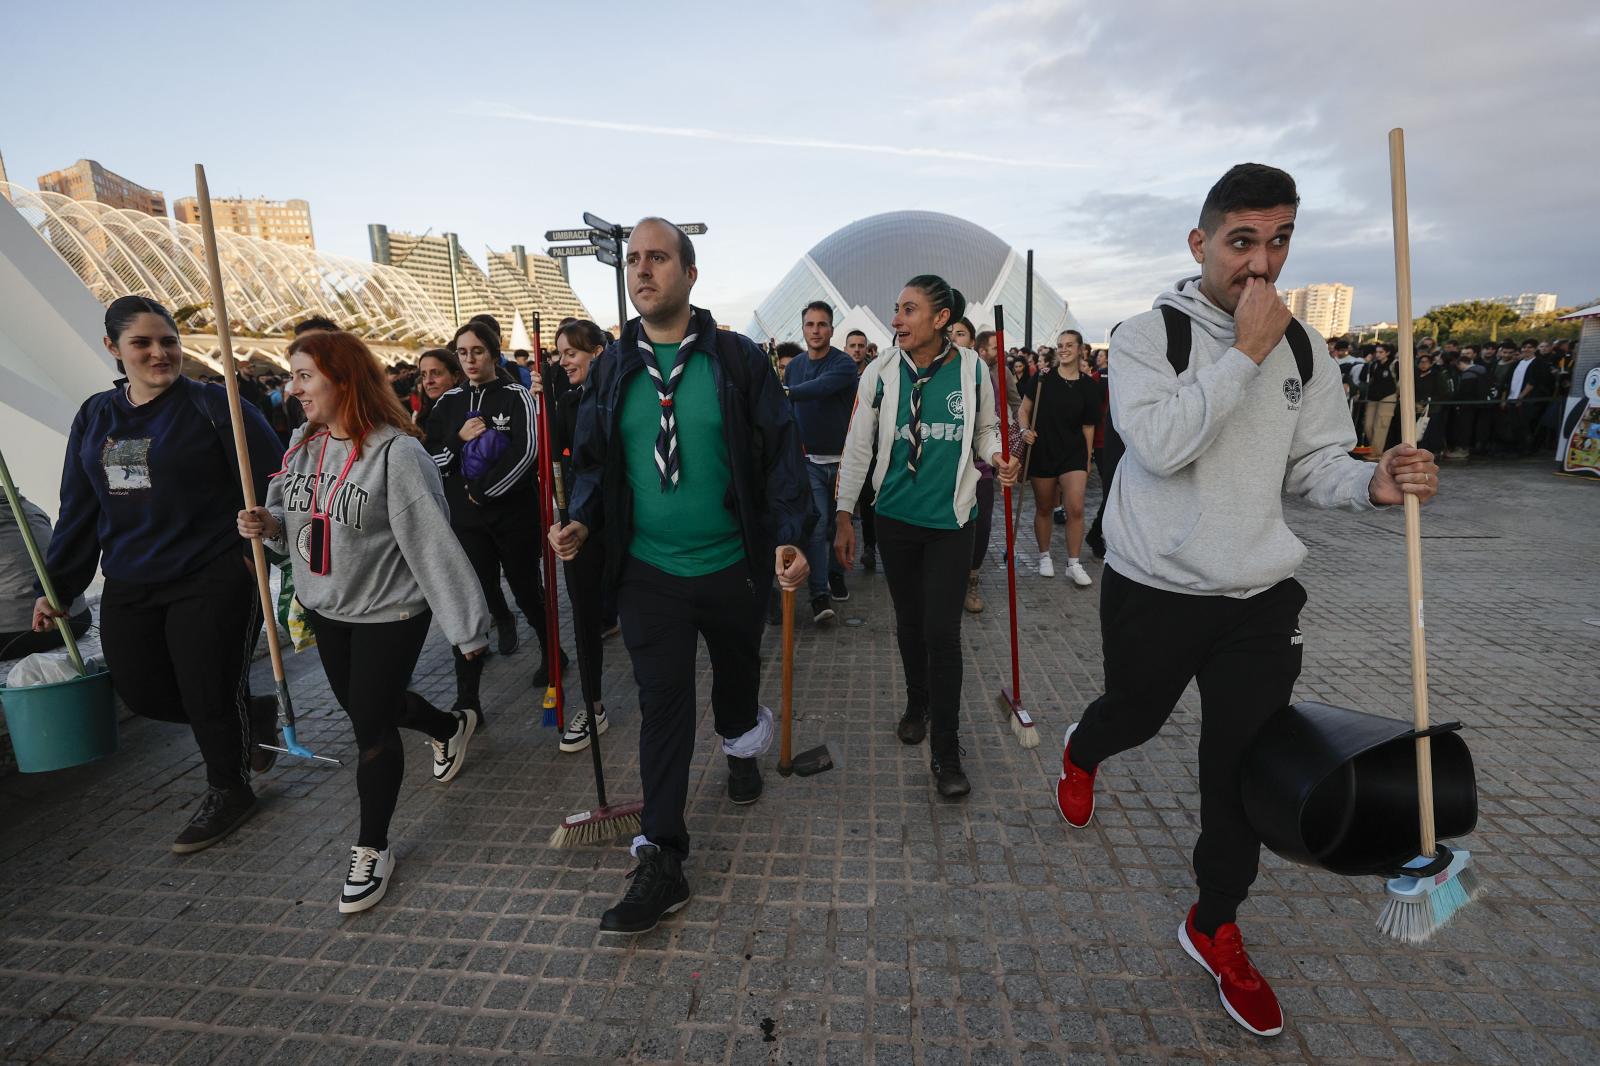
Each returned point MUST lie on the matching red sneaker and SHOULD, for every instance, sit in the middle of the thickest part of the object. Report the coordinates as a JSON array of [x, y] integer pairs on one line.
[[1075, 790], [1245, 994]]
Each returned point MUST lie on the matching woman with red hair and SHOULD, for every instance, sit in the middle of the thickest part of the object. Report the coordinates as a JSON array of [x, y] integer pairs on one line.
[[359, 508]]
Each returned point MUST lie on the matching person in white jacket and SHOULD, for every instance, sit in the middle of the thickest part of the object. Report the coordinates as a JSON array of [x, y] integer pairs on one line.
[[925, 410]]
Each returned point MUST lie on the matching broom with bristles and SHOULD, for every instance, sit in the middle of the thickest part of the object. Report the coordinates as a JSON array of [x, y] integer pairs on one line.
[[607, 821], [1439, 881]]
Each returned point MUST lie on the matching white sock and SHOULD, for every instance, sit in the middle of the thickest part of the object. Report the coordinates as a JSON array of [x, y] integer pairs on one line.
[[1044, 555], [1072, 560]]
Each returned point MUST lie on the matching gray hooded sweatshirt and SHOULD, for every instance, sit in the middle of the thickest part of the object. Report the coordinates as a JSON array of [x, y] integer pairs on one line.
[[393, 554], [1197, 503]]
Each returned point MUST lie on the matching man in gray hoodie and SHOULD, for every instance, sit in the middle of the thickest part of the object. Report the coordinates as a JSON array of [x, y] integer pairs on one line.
[[1199, 572]]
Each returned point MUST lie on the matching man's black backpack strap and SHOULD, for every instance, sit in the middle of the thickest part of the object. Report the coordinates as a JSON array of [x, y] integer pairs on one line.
[[1180, 338]]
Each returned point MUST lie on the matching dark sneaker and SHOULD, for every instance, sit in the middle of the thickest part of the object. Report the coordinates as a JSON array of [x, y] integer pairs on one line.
[[576, 736], [221, 811], [656, 889], [1075, 790], [869, 558], [1245, 994], [912, 727], [744, 780], [506, 628], [1060, 516], [946, 766], [368, 879], [821, 610], [541, 676], [450, 755], [837, 589], [263, 730]]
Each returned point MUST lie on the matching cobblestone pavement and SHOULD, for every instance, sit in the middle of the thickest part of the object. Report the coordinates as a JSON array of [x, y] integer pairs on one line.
[[853, 917]]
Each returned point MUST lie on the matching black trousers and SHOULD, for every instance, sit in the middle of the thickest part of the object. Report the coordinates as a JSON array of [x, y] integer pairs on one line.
[[508, 538], [1106, 463], [661, 616], [927, 574], [179, 651], [983, 523], [869, 516], [1245, 655], [369, 665], [588, 606]]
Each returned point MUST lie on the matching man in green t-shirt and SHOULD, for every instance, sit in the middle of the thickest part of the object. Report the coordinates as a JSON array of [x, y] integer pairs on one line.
[[686, 448]]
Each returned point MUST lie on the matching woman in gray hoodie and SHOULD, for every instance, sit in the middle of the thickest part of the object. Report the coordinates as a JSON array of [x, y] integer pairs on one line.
[[359, 508]]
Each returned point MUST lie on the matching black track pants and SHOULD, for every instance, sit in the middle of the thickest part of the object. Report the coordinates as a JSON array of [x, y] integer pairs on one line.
[[583, 592], [507, 538], [369, 665], [1245, 655], [927, 574], [179, 651]]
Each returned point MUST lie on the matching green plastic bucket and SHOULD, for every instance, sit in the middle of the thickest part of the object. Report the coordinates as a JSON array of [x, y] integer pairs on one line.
[[64, 724]]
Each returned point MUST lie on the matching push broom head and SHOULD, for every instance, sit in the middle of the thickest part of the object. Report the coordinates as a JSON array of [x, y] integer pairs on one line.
[[1419, 906], [598, 826]]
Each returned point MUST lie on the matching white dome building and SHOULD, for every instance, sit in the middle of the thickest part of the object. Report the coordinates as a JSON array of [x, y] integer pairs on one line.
[[861, 268]]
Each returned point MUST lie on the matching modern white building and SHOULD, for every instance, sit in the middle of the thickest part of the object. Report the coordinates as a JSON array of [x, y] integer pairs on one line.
[[1324, 307], [861, 268], [1529, 303]]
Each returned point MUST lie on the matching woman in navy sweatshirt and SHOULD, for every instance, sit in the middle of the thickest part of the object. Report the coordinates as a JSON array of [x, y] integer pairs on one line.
[[149, 491]]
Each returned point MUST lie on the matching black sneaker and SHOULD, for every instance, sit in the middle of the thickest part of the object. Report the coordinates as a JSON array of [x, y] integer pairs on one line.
[[507, 629], [744, 780], [869, 558], [221, 811], [656, 889], [836, 588], [1061, 516], [821, 610], [946, 766], [541, 676], [263, 730], [913, 726], [368, 879]]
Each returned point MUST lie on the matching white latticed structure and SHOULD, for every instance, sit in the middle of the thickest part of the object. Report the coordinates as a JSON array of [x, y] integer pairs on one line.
[[270, 285]]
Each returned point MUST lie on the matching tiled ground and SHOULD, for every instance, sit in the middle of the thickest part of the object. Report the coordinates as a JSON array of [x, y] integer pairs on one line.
[[854, 917]]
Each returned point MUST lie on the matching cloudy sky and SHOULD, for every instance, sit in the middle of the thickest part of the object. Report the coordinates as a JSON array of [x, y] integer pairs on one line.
[[1089, 132]]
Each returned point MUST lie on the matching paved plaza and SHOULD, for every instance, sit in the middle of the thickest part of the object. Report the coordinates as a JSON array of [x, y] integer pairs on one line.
[[853, 917]]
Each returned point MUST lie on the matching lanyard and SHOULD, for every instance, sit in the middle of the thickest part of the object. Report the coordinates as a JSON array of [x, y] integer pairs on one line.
[[318, 479]]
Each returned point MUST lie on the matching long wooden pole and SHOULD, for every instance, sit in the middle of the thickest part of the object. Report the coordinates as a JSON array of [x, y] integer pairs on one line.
[[241, 447], [1413, 509]]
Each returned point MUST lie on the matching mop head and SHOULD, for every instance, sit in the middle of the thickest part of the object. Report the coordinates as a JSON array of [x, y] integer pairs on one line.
[[1021, 721], [599, 826], [1418, 907]]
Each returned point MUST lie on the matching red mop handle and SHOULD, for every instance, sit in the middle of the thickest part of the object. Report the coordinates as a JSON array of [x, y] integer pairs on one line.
[[1005, 454]]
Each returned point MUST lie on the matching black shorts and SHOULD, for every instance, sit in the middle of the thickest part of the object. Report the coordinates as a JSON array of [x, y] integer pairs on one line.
[[1052, 465]]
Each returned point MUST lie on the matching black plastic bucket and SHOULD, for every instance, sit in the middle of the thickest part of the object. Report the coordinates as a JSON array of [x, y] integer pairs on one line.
[[1334, 788]]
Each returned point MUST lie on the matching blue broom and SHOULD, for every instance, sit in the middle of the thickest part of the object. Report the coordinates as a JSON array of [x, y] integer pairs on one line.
[[1439, 881]]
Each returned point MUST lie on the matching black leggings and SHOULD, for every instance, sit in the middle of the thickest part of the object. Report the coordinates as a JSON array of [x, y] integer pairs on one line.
[[1245, 654], [583, 593], [508, 538], [369, 665], [927, 574], [179, 651], [984, 522]]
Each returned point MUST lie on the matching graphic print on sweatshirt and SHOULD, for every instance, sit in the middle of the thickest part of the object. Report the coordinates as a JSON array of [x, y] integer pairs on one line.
[[127, 465], [346, 507]]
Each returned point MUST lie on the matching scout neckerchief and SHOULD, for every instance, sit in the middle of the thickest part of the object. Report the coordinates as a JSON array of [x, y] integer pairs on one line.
[[920, 378], [667, 435]]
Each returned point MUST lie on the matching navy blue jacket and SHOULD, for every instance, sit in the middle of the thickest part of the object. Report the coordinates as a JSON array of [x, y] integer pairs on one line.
[[151, 493], [768, 489], [823, 393]]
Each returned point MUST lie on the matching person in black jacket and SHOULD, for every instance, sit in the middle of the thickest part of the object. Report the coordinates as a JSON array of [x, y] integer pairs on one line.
[[688, 460], [579, 343], [493, 494], [149, 492]]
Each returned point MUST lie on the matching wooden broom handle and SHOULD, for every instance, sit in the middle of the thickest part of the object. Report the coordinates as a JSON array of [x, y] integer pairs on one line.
[[1413, 508], [241, 447]]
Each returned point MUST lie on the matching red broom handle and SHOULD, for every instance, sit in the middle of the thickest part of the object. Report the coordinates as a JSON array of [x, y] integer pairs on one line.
[[1005, 454], [552, 613]]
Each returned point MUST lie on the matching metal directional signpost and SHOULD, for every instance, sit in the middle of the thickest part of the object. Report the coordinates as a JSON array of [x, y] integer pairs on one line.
[[604, 242]]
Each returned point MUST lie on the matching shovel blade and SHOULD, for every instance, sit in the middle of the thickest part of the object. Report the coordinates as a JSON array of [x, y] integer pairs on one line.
[[815, 761]]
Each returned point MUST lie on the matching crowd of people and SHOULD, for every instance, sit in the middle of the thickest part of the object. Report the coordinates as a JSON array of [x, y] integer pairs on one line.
[[697, 478]]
